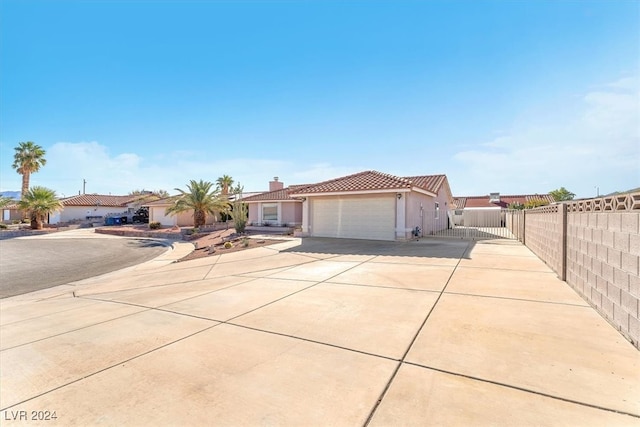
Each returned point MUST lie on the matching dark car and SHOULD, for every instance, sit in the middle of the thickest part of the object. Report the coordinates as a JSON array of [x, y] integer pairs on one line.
[[141, 215]]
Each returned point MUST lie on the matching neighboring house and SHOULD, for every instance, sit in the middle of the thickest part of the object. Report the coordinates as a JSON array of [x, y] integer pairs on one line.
[[373, 205], [482, 211], [157, 213], [93, 207], [276, 206], [11, 213]]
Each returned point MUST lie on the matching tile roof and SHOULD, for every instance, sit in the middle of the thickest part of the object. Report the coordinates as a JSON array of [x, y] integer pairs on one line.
[[505, 200], [431, 183], [374, 180], [276, 195], [97, 199]]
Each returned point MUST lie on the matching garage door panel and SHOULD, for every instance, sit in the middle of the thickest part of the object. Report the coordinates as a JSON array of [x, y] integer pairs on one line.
[[356, 218]]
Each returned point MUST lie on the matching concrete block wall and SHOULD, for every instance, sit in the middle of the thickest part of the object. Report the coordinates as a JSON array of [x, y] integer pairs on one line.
[[594, 245], [543, 235], [603, 265]]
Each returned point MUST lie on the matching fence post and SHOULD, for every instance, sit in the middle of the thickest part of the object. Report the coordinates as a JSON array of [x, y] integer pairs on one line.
[[524, 226], [563, 241]]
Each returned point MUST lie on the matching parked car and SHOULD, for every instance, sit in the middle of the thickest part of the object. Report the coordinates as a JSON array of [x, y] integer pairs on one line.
[[141, 216]]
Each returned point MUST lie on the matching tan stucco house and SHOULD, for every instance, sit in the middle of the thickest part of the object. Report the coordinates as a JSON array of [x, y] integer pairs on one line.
[[366, 205], [374, 205], [276, 206]]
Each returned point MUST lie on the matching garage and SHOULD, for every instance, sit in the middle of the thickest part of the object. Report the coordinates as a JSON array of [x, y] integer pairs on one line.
[[354, 217]]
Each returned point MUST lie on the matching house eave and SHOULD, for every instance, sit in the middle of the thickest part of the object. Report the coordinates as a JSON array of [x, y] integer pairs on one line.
[[273, 201], [352, 193], [422, 191]]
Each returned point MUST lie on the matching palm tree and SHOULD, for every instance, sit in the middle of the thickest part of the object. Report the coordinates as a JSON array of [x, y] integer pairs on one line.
[[142, 196], [39, 202], [224, 183], [28, 159], [200, 198]]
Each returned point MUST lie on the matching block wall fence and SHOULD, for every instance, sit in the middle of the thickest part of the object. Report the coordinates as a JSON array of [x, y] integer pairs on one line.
[[593, 245]]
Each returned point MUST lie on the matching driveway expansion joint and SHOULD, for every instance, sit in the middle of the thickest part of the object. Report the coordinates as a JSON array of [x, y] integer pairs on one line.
[[526, 390], [415, 337]]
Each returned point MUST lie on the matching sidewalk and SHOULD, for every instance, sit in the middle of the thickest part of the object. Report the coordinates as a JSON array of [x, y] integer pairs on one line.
[[341, 333]]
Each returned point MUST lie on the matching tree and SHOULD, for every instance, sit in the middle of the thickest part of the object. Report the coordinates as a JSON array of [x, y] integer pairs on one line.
[[239, 212], [39, 202], [202, 199], [535, 203], [224, 183], [144, 196], [6, 201], [562, 194], [28, 159]]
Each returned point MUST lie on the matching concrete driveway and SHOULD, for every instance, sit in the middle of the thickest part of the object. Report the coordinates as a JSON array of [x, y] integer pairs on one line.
[[327, 332]]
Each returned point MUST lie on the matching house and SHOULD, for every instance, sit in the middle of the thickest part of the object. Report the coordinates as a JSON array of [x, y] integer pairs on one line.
[[373, 205], [93, 207], [11, 213], [488, 210], [276, 206], [157, 213]]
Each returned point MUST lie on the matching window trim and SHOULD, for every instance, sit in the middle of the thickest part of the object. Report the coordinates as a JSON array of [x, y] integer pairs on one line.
[[270, 206]]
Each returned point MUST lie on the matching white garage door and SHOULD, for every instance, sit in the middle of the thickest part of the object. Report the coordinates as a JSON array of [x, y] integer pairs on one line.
[[355, 218]]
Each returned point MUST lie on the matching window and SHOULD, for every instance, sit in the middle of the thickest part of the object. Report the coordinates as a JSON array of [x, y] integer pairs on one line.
[[270, 212], [437, 210]]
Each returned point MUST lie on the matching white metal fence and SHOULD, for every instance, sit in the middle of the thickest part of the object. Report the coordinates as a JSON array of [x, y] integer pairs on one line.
[[470, 224]]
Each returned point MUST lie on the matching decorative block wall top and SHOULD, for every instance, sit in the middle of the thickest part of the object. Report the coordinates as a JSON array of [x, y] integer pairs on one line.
[[616, 203]]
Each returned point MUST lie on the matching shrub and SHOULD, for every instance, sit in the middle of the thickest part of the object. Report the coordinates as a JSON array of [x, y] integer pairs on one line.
[[154, 225], [535, 203], [228, 245], [245, 242], [3, 226]]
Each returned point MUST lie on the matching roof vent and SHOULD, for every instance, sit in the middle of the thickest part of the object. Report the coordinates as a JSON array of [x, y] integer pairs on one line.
[[494, 197]]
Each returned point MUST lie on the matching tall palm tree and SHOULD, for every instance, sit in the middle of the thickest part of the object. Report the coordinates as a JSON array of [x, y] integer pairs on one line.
[[224, 183], [200, 197], [28, 159], [39, 202]]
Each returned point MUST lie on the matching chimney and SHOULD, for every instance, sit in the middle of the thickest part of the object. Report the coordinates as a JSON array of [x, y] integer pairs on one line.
[[275, 184]]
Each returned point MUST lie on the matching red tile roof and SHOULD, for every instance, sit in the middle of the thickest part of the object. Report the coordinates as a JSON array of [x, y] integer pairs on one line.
[[97, 199], [505, 200], [276, 195], [374, 180]]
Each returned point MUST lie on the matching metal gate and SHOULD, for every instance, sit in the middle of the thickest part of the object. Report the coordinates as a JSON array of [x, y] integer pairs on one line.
[[473, 224]]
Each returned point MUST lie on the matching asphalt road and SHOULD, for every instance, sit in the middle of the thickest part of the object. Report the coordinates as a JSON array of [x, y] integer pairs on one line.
[[28, 265]]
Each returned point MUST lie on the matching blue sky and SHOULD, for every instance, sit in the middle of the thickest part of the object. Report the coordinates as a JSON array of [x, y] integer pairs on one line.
[[507, 96]]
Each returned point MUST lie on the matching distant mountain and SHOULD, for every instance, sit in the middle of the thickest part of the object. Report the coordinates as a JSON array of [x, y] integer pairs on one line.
[[12, 194]]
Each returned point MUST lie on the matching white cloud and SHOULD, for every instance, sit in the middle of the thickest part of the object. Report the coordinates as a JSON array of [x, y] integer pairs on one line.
[[68, 164], [599, 146]]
